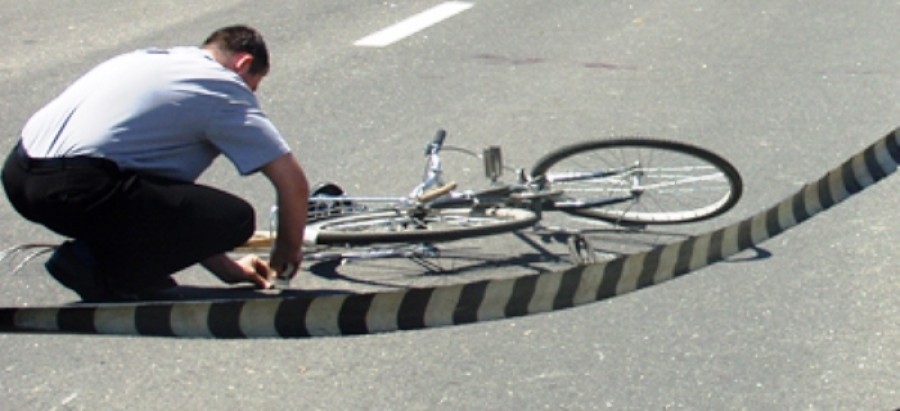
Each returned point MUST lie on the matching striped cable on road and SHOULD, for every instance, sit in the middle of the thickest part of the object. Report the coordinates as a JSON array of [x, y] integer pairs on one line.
[[467, 303]]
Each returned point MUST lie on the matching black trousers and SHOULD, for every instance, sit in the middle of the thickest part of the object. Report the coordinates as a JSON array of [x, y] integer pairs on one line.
[[139, 229]]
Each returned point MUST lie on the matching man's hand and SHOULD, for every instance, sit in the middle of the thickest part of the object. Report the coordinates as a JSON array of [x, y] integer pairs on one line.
[[285, 263], [248, 269]]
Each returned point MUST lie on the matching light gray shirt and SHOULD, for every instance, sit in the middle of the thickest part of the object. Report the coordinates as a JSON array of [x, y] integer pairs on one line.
[[166, 113]]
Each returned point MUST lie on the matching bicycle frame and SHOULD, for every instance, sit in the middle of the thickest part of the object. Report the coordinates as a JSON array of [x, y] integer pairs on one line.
[[522, 194]]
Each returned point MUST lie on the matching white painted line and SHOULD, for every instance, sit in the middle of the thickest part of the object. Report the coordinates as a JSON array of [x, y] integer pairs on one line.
[[414, 24]]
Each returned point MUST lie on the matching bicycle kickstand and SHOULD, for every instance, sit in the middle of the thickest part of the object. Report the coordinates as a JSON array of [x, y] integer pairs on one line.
[[580, 249]]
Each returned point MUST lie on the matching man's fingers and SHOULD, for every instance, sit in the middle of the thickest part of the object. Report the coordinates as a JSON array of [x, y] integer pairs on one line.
[[289, 270], [258, 271], [264, 273], [262, 268]]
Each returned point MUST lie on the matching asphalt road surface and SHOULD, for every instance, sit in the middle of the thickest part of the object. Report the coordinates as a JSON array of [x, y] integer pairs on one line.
[[785, 90]]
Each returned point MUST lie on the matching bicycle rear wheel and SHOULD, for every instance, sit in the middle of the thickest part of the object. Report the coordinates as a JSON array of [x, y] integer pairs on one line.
[[412, 226], [640, 180]]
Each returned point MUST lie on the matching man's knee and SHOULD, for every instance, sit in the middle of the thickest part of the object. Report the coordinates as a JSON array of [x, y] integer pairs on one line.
[[243, 223]]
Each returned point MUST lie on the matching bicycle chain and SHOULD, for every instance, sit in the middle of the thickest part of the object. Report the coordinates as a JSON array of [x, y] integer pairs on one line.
[[461, 304]]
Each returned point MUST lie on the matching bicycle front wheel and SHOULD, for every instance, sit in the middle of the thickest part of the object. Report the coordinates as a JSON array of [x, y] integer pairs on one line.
[[640, 180], [419, 226]]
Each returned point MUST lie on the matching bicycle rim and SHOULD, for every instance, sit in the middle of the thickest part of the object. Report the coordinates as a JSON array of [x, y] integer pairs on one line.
[[649, 181], [434, 225]]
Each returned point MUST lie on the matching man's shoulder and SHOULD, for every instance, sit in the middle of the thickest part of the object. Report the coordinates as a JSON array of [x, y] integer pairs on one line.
[[187, 69]]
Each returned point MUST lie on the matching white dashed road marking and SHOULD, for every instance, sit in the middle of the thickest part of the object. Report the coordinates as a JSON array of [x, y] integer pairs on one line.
[[413, 24]]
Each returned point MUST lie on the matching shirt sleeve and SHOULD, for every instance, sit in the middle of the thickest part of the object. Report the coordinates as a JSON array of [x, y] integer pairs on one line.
[[244, 134]]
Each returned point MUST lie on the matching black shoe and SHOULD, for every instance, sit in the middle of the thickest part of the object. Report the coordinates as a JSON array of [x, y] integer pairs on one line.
[[71, 265], [77, 274]]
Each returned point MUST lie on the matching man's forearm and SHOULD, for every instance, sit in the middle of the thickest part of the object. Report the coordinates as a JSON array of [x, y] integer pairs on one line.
[[220, 265], [292, 217], [292, 189]]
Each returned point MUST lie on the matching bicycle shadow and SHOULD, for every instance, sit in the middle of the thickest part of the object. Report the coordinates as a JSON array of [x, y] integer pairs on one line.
[[474, 264], [454, 267]]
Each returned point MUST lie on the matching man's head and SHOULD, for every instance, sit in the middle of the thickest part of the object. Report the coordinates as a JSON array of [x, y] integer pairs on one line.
[[242, 50]]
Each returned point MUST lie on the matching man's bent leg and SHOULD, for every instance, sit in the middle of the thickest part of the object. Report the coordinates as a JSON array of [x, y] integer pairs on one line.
[[160, 227]]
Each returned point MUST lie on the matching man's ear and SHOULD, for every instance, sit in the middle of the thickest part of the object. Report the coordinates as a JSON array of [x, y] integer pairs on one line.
[[242, 62]]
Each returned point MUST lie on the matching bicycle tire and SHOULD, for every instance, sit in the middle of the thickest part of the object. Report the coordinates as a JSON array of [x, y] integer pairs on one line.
[[662, 200], [436, 225]]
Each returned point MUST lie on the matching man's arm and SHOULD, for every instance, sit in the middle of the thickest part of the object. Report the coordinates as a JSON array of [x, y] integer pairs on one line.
[[292, 190]]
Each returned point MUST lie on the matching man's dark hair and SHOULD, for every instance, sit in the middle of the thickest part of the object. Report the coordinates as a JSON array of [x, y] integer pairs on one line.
[[239, 38]]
